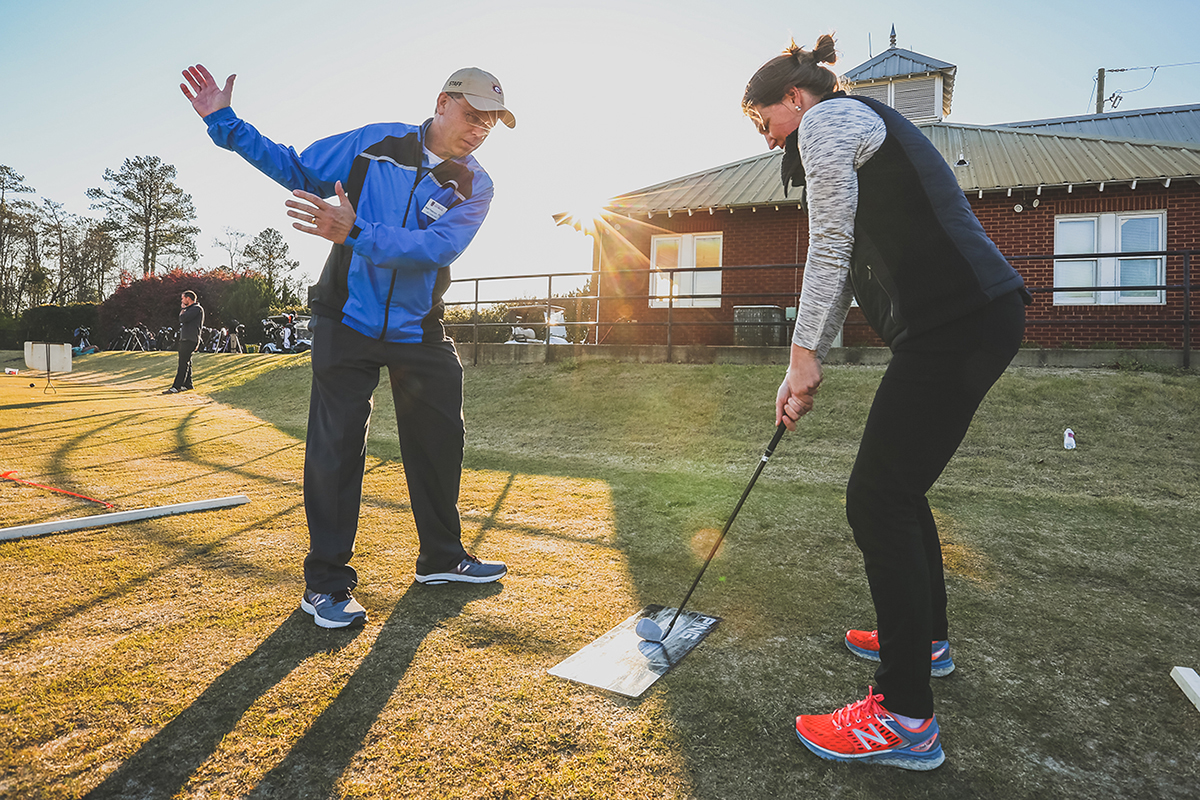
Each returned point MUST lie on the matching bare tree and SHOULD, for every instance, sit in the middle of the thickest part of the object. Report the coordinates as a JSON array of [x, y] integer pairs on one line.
[[83, 251], [268, 255], [98, 265], [15, 219], [33, 279], [231, 243], [61, 246], [145, 206]]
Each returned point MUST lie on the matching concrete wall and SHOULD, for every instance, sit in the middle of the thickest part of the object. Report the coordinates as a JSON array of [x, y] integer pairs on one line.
[[699, 354]]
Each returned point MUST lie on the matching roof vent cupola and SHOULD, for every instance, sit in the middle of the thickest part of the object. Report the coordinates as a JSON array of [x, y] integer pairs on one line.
[[917, 86]]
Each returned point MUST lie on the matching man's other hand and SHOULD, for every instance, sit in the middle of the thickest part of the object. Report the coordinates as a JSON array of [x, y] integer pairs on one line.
[[324, 219]]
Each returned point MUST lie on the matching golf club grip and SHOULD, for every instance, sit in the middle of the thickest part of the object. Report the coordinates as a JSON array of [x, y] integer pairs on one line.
[[780, 430], [762, 462]]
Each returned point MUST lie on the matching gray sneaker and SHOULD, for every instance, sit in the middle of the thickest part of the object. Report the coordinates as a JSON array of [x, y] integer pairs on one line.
[[469, 570], [337, 610]]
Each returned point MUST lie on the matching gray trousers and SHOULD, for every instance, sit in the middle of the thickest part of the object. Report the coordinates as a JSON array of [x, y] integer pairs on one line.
[[427, 389]]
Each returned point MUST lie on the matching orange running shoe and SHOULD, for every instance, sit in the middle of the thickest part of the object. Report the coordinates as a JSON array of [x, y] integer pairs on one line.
[[865, 644], [864, 731]]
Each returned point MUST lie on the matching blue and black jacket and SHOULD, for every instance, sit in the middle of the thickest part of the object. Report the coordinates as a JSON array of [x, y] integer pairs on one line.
[[387, 280]]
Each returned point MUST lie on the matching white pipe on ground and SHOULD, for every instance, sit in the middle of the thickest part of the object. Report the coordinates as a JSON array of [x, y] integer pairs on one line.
[[99, 520]]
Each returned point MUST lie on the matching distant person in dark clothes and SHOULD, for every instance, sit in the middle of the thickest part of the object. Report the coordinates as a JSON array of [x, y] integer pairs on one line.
[[191, 320]]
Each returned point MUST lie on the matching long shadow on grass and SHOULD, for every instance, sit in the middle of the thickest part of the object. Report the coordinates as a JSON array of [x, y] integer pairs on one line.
[[319, 759], [163, 765]]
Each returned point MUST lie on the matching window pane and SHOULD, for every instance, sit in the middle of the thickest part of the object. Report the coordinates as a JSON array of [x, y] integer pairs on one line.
[[1074, 273], [708, 283], [666, 252], [1139, 272], [708, 251], [666, 255], [662, 285], [1075, 236], [1139, 234]]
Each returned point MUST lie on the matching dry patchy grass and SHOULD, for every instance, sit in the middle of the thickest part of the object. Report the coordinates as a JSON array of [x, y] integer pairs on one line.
[[167, 658]]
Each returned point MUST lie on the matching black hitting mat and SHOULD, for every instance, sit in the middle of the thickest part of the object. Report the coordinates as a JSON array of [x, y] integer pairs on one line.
[[620, 661]]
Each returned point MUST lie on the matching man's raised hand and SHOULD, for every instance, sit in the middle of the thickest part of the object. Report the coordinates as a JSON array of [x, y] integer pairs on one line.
[[203, 92]]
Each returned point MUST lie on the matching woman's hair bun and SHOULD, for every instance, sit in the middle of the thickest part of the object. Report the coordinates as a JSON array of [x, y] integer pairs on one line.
[[826, 50], [797, 68]]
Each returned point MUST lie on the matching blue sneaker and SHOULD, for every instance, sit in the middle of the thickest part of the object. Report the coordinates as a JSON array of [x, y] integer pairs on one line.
[[864, 731], [337, 610], [469, 570], [865, 644]]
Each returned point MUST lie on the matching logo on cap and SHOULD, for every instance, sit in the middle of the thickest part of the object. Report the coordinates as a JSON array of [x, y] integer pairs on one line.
[[496, 89]]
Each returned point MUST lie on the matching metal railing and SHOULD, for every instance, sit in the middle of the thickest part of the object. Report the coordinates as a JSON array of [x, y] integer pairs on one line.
[[1184, 320], [669, 323]]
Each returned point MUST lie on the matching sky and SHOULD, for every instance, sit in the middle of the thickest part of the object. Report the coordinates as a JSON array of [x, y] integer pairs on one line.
[[609, 96]]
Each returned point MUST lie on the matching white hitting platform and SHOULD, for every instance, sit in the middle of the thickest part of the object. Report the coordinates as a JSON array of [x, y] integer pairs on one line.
[[1189, 681]]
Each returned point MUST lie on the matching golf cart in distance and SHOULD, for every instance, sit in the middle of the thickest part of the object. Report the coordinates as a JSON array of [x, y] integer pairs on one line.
[[286, 333], [537, 325]]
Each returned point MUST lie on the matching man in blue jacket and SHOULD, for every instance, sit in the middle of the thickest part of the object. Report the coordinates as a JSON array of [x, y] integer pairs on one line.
[[406, 202]]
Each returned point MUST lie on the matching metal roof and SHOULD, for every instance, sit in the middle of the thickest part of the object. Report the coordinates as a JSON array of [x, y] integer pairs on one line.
[[1166, 124], [897, 62], [998, 158], [1007, 158], [750, 182]]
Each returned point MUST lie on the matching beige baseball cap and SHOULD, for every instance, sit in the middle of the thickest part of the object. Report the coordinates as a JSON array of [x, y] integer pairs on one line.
[[482, 91]]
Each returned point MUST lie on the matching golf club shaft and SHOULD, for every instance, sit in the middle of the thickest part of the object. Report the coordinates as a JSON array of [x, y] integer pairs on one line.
[[779, 431]]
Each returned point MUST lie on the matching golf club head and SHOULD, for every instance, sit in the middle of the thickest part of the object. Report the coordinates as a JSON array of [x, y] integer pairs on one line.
[[649, 630]]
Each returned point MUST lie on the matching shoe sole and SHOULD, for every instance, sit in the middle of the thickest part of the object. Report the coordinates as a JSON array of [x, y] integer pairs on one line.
[[916, 763], [309, 608], [440, 578], [871, 655]]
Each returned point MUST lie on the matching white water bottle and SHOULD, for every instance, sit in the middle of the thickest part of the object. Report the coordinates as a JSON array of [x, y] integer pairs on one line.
[[1068, 439]]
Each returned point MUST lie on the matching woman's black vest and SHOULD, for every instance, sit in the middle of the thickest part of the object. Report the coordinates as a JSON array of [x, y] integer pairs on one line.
[[921, 258]]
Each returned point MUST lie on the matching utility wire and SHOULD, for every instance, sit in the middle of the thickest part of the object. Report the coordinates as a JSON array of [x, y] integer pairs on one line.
[[1115, 98], [1160, 66]]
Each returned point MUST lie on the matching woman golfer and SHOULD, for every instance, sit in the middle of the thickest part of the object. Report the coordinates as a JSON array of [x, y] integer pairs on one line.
[[888, 225]]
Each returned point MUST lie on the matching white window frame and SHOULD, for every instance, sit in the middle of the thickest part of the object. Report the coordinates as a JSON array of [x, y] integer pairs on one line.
[[685, 284], [1107, 271]]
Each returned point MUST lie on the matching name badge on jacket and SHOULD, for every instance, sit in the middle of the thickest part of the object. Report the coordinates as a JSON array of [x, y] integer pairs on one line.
[[433, 209]]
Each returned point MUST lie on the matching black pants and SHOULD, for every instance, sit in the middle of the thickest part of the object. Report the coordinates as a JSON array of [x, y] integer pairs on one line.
[[921, 412], [183, 374], [427, 389]]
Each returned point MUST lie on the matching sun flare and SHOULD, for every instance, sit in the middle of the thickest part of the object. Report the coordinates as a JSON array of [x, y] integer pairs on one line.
[[585, 216]]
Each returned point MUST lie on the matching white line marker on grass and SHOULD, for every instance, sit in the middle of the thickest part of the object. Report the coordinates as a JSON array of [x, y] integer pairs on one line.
[[98, 520], [1189, 681]]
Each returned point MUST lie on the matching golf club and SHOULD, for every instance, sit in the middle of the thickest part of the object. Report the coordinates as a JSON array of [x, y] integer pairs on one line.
[[650, 630]]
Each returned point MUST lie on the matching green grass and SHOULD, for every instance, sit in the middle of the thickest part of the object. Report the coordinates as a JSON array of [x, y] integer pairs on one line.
[[166, 658]]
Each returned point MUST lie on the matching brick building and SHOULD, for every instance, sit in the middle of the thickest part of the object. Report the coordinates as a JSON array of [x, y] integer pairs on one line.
[[1114, 191]]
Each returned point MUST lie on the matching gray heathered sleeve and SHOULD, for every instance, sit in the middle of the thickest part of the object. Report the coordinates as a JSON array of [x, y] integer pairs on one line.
[[836, 138]]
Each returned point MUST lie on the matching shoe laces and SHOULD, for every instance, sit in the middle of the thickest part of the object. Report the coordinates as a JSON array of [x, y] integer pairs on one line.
[[340, 597], [861, 709]]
